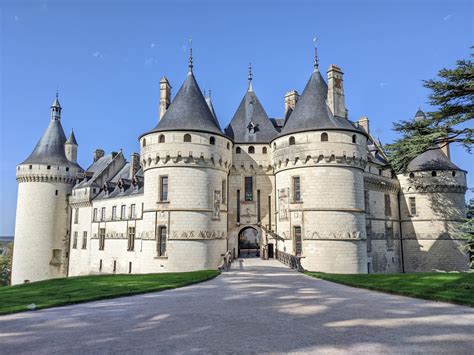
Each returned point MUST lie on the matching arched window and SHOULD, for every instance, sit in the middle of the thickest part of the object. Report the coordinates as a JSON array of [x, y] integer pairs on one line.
[[433, 173], [274, 146], [324, 137], [212, 141], [354, 139], [412, 175], [237, 150], [454, 173], [228, 145], [292, 140], [144, 142], [187, 138], [251, 149], [161, 139], [264, 150]]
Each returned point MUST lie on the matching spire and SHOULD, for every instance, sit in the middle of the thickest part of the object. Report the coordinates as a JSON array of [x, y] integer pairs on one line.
[[250, 88], [56, 109], [190, 71], [72, 138], [316, 60]]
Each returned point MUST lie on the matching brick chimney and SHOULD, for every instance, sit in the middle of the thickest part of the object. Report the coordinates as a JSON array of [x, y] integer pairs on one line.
[[363, 122], [98, 153], [335, 98], [291, 98], [134, 164], [165, 96]]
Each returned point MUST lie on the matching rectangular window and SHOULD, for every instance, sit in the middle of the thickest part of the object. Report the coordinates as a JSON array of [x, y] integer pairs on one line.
[[100, 265], [114, 213], [389, 235], [258, 207], [367, 201], [131, 239], [163, 188], [102, 214], [76, 215], [129, 267], [238, 206], [84, 240], [296, 189], [368, 228], [161, 243], [94, 216], [298, 242], [412, 206], [133, 211], [123, 211], [269, 212], [248, 188], [388, 206], [224, 191], [74, 241], [101, 238], [115, 265]]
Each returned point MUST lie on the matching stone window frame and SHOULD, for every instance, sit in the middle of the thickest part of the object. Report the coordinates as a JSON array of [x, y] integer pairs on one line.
[[123, 211], [162, 197], [298, 251], [84, 240], [114, 213], [131, 232], [296, 196], [248, 188], [94, 215], [162, 138], [251, 149], [292, 140], [324, 137], [101, 238], [76, 215], [212, 140], [74, 240], [387, 205], [224, 191], [133, 211], [161, 244], [102, 213], [238, 150], [187, 138], [264, 150], [412, 206]]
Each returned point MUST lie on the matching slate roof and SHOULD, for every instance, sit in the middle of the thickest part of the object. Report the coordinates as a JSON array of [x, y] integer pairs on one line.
[[433, 159], [312, 112], [50, 148], [249, 111], [188, 111], [72, 139]]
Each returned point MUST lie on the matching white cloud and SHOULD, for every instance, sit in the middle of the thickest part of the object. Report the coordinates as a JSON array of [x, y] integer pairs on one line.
[[447, 17], [97, 54], [152, 45], [151, 61]]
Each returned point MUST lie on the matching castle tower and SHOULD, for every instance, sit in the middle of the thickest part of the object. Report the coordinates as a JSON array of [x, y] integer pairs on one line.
[[186, 159], [319, 160], [71, 148], [432, 209], [45, 181]]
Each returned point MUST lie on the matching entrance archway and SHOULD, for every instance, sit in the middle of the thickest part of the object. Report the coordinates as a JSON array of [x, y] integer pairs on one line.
[[249, 242]]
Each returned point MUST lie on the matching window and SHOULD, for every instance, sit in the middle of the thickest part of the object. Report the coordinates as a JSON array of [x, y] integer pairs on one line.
[[131, 239], [324, 137], [433, 173], [292, 140], [132, 211], [76, 215], [248, 188], [84, 240], [228, 145], [296, 189], [74, 241], [115, 265], [259, 212], [224, 190], [412, 206], [238, 150], [238, 206], [48, 167], [264, 150], [56, 192], [212, 141], [114, 212], [389, 235], [102, 214], [101, 238], [100, 265], [67, 169], [123, 210], [354, 139], [144, 142], [412, 175], [161, 243], [94, 215], [163, 188], [31, 166], [274, 146], [380, 172], [129, 267], [297, 240], [251, 149], [187, 138], [367, 201], [454, 173], [388, 206], [161, 139]]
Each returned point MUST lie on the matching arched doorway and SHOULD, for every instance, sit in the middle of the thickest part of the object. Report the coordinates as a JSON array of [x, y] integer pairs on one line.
[[249, 242]]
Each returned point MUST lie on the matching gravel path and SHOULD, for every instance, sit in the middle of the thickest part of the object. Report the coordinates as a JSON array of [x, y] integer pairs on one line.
[[263, 307]]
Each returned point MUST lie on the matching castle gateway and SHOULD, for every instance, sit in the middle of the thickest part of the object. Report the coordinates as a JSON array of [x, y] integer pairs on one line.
[[312, 183]]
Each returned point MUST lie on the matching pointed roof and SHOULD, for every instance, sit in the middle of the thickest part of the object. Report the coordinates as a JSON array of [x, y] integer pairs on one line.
[[311, 111], [420, 115], [56, 102], [188, 111], [72, 139], [211, 107], [251, 112]]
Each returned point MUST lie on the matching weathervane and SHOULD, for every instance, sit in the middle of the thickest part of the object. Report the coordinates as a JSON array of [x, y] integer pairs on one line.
[[250, 77], [190, 55], [316, 60]]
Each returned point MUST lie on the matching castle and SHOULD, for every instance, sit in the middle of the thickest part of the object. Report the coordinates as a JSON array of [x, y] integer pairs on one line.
[[312, 184]]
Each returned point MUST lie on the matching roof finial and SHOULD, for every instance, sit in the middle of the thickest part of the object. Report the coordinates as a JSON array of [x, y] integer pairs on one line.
[[250, 78], [209, 93], [190, 72], [316, 60], [57, 90]]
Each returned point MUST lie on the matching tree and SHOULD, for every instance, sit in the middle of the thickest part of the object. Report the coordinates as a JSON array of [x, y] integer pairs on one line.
[[453, 96], [6, 266], [467, 229]]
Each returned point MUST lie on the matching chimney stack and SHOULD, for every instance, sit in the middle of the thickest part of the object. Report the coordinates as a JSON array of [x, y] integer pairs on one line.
[[165, 95], [363, 122], [134, 164], [291, 98], [98, 153], [335, 98]]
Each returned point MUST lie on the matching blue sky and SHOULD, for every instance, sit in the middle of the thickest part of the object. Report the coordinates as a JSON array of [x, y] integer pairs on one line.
[[107, 58]]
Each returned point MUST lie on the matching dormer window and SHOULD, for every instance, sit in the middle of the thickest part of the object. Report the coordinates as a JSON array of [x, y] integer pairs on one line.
[[251, 149]]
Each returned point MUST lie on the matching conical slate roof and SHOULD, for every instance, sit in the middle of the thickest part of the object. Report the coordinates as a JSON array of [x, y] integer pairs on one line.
[[72, 139], [50, 148], [312, 112], [251, 113], [188, 111]]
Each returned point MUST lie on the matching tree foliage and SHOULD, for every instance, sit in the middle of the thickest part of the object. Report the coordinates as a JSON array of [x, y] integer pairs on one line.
[[6, 267], [452, 94]]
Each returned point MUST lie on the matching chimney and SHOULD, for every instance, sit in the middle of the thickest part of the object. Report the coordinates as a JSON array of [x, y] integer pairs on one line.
[[291, 98], [98, 153], [165, 95], [445, 149], [363, 122], [336, 91], [134, 164]]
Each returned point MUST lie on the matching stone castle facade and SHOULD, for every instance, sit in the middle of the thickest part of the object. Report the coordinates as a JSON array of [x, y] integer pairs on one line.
[[312, 183]]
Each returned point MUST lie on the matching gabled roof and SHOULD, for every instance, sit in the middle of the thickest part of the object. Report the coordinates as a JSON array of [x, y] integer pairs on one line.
[[433, 159], [188, 111], [312, 112], [251, 112]]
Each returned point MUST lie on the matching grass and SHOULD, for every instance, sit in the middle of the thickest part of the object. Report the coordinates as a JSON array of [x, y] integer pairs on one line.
[[64, 291], [447, 287]]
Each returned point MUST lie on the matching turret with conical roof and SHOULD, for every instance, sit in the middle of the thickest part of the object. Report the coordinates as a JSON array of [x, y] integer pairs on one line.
[[70, 148]]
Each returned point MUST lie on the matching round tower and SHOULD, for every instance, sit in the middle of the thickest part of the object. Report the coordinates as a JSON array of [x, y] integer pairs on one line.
[[45, 181], [186, 159], [432, 210], [319, 159]]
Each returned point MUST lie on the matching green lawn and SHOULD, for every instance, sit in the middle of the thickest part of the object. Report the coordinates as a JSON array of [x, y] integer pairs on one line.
[[448, 287], [60, 292]]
